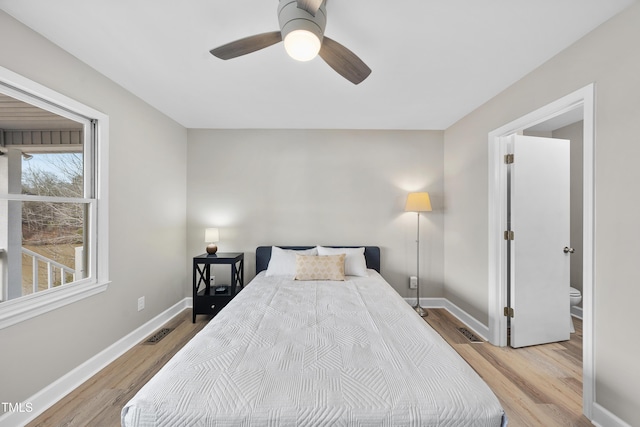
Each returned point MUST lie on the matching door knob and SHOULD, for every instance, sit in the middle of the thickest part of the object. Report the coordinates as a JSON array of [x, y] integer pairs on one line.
[[568, 250]]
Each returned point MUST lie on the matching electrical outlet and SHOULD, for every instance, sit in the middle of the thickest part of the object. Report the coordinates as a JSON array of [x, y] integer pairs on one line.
[[413, 282], [140, 303], [213, 281]]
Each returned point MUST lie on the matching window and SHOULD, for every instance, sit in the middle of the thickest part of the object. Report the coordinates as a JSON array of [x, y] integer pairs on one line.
[[53, 213]]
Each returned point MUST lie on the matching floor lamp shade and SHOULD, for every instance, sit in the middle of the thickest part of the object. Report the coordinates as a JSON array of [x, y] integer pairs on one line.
[[418, 202]]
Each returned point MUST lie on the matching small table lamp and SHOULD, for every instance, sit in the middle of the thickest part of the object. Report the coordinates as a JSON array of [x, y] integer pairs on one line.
[[418, 202], [211, 236]]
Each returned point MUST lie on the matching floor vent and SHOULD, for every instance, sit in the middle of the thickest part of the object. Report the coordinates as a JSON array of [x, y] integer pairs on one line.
[[153, 339], [470, 335]]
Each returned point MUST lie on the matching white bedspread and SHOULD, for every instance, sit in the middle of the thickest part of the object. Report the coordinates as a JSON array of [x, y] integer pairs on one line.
[[286, 353]]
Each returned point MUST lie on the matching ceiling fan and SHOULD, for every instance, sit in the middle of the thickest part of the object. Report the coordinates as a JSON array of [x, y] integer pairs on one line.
[[302, 24]]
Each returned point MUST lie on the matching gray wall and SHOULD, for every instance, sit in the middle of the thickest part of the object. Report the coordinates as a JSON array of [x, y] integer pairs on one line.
[[147, 180], [287, 187], [609, 57]]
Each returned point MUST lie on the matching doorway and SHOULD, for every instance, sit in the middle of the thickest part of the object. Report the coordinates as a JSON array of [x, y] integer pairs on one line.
[[582, 101]]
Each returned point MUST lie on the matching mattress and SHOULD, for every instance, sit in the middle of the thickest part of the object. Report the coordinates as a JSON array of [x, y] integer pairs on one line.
[[317, 353]]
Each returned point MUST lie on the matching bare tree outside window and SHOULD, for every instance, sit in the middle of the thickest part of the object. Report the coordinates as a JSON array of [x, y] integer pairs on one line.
[[52, 229]]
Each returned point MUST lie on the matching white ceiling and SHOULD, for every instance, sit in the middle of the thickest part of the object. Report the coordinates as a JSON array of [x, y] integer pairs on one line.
[[433, 61]]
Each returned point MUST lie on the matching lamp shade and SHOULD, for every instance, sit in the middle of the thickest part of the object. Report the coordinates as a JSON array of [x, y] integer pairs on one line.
[[418, 202], [211, 235]]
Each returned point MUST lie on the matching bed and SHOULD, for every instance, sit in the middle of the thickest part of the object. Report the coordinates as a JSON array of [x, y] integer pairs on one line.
[[286, 352]]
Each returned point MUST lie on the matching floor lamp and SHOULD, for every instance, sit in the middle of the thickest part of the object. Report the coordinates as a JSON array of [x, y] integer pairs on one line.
[[418, 202]]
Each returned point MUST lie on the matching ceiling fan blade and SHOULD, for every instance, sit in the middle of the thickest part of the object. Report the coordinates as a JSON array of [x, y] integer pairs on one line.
[[310, 6], [343, 61], [246, 45]]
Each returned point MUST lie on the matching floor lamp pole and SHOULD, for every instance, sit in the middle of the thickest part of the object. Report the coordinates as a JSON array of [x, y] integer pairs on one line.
[[421, 311]]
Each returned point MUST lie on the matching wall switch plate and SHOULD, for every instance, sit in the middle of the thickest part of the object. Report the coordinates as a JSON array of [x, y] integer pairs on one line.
[[140, 303], [413, 282]]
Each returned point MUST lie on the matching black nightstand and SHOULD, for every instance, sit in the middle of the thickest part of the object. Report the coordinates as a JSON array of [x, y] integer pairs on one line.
[[209, 299]]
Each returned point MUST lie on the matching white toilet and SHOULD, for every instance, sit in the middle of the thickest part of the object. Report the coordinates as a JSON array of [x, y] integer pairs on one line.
[[575, 296]]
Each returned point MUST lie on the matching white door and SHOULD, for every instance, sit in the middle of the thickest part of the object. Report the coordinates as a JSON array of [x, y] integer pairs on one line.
[[540, 219]]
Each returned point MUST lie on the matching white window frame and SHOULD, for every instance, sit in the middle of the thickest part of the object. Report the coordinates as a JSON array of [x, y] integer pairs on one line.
[[29, 306]]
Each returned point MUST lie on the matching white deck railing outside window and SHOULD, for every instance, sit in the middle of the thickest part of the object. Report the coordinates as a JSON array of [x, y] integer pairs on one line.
[[52, 266]]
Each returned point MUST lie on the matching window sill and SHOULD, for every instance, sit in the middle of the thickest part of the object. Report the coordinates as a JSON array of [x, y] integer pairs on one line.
[[30, 306]]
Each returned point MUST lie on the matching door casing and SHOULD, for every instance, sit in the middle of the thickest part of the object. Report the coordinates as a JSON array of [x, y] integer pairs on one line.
[[585, 98]]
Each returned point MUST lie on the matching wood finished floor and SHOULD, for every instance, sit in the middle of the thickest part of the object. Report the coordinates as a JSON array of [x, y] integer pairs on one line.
[[537, 386]]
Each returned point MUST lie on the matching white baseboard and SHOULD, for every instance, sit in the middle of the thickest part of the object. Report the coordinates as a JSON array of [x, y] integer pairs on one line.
[[477, 326], [51, 394], [576, 312], [604, 418]]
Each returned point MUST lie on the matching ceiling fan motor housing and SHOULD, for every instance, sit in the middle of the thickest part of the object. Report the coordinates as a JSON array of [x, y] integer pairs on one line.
[[292, 18]]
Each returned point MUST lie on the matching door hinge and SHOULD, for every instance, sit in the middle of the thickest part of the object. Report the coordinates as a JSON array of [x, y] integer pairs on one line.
[[508, 158], [509, 235], [508, 312]]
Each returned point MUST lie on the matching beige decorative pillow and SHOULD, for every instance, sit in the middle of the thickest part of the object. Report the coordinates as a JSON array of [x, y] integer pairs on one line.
[[330, 267]]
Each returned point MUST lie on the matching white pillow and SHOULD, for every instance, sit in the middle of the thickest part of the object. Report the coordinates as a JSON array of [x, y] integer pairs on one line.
[[354, 263], [283, 261]]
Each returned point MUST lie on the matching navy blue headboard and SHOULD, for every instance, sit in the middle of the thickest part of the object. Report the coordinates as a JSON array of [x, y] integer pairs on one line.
[[371, 255]]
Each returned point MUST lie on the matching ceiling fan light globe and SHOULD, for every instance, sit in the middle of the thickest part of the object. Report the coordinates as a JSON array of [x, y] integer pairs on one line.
[[302, 45]]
